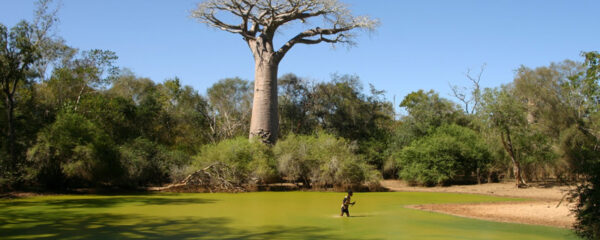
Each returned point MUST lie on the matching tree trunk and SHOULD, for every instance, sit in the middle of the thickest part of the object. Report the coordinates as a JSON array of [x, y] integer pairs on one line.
[[517, 171], [10, 133], [265, 122], [508, 146]]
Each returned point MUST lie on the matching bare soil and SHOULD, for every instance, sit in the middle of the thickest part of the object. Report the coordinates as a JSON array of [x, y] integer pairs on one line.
[[543, 207]]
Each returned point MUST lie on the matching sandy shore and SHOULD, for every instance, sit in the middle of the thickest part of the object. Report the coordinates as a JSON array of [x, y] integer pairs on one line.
[[542, 209]]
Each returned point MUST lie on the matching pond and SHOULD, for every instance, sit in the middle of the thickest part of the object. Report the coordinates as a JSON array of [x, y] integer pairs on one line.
[[259, 215]]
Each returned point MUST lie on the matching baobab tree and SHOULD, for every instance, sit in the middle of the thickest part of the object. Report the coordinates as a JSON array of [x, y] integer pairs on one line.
[[259, 20]]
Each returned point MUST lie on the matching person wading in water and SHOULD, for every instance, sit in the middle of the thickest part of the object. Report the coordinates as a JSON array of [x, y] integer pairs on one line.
[[346, 203]]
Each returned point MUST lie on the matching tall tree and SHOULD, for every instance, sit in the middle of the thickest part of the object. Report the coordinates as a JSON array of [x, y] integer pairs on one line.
[[581, 144], [260, 20], [21, 50], [506, 115], [17, 54], [296, 105]]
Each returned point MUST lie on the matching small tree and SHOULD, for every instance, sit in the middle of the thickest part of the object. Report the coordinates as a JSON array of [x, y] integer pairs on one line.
[[260, 20]]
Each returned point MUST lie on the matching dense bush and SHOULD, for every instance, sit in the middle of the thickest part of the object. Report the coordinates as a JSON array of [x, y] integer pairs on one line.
[[581, 150], [73, 152], [146, 162], [248, 161], [439, 158], [322, 161]]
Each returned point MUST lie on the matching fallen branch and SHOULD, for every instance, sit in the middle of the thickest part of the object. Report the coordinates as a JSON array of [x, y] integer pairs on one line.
[[214, 178]]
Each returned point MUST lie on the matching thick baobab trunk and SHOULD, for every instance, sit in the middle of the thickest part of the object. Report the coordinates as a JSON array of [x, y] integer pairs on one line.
[[265, 122]]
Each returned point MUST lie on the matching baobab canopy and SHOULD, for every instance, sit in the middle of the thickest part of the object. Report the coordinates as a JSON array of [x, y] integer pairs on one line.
[[258, 21], [265, 17]]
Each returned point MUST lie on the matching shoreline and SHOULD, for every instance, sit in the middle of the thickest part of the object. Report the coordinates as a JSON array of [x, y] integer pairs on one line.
[[541, 207]]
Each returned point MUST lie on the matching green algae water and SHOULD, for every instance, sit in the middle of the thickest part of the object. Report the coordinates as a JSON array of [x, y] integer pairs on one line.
[[261, 215]]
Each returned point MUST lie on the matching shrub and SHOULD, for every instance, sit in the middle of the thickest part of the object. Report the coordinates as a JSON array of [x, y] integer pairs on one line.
[[580, 148], [146, 162], [322, 160], [72, 152], [451, 150], [247, 160]]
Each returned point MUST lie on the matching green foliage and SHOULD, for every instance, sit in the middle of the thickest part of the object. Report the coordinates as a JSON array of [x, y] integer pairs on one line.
[[248, 161], [322, 160], [73, 151], [295, 104], [514, 123], [342, 110], [591, 82], [168, 113], [580, 144], [146, 162], [450, 151], [426, 111], [581, 150], [18, 53], [230, 102]]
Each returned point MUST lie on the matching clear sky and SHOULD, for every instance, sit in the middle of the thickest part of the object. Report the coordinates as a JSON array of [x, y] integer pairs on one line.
[[419, 45]]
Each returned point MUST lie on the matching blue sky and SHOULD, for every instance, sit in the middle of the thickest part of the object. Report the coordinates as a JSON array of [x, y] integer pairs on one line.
[[419, 45]]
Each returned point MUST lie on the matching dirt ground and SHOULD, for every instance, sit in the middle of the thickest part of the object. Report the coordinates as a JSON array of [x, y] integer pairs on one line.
[[542, 209]]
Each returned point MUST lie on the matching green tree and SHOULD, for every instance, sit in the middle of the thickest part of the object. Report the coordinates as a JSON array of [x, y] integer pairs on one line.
[[74, 79], [147, 163], [581, 144], [449, 152], [506, 114], [73, 151], [188, 111], [295, 106], [230, 102], [340, 108], [427, 111], [17, 54]]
